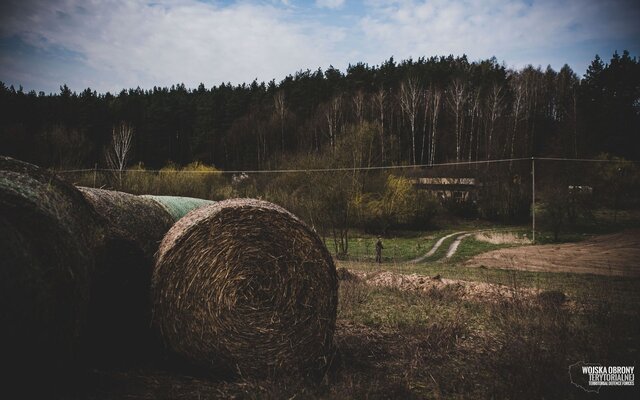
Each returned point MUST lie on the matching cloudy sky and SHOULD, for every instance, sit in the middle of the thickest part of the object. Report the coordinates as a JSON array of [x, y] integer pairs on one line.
[[113, 44]]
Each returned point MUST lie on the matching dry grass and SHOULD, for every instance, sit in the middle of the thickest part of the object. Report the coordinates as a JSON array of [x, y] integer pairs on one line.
[[132, 218], [463, 289], [243, 286], [501, 238]]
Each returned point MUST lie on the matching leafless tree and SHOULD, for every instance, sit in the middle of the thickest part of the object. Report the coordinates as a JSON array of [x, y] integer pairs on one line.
[[495, 107], [533, 82], [519, 88], [280, 107], [379, 99], [358, 106], [332, 113], [118, 153], [409, 101], [435, 111], [457, 96], [474, 110], [427, 103]]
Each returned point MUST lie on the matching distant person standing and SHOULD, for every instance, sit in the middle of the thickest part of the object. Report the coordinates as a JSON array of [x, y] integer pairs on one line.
[[379, 248]]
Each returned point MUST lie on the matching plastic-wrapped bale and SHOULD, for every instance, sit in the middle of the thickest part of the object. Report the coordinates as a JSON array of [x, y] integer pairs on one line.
[[119, 322], [177, 206], [47, 236], [243, 286]]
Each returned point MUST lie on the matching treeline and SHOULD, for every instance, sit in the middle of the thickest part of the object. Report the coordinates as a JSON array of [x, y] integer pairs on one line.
[[423, 111]]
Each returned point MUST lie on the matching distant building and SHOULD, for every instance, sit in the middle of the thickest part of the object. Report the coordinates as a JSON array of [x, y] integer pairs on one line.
[[447, 188], [581, 190]]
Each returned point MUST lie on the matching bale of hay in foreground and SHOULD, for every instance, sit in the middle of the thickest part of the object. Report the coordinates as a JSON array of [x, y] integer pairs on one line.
[[47, 237], [177, 206], [243, 286], [139, 219], [119, 322]]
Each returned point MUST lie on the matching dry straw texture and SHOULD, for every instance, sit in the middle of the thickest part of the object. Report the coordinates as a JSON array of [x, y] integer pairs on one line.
[[243, 286], [119, 322], [138, 219], [47, 237], [177, 206]]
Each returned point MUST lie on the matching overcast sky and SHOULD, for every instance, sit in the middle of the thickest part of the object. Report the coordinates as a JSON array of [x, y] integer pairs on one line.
[[110, 45]]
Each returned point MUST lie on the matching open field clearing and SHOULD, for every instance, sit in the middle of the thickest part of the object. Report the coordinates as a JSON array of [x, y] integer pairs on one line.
[[615, 254]]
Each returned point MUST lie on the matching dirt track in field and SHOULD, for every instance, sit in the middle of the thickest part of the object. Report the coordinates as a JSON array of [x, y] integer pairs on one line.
[[616, 254]]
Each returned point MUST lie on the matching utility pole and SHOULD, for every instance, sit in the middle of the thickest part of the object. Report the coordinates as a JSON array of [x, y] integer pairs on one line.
[[533, 199]]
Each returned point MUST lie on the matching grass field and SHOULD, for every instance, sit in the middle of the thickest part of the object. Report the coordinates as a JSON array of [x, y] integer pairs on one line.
[[393, 343], [406, 246], [411, 246]]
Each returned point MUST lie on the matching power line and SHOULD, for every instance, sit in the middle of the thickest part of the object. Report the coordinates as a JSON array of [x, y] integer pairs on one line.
[[585, 160], [348, 169]]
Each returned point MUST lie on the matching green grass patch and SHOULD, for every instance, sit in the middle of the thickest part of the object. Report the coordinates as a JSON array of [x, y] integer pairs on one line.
[[470, 247], [399, 248]]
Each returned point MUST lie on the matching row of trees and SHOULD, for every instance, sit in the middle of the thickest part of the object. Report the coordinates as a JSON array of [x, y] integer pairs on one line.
[[423, 111]]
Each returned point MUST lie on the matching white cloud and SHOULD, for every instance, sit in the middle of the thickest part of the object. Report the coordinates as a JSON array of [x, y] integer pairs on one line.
[[137, 43], [519, 31], [127, 43], [331, 4]]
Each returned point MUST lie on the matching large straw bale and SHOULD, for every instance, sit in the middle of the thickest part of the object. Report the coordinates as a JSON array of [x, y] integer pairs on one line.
[[244, 286], [119, 322], [47, 237], [178, 206], [138, 218]]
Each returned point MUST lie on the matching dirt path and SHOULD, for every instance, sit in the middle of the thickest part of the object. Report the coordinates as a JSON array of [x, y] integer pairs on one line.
[[616, 254], [454, 246], [435, 247]]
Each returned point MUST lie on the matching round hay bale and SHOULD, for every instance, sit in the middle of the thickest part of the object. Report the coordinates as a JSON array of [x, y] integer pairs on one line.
[[119, 321], [138, 219], [243, 286], [177, 206], [46, 239]]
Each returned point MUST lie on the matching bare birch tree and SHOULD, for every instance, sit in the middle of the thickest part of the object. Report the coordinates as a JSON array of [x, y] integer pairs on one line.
[[332, 114], [435, 111], [427, 103], [474, 109], [495, 107], [379, 99], [533, 79], [358, 106], [519, 89], [118, 153], [457, 96], [409, 102], [280, 107]]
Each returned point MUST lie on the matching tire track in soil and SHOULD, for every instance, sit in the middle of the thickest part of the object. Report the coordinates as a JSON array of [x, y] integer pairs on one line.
[[435, 247], [454, 246]]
